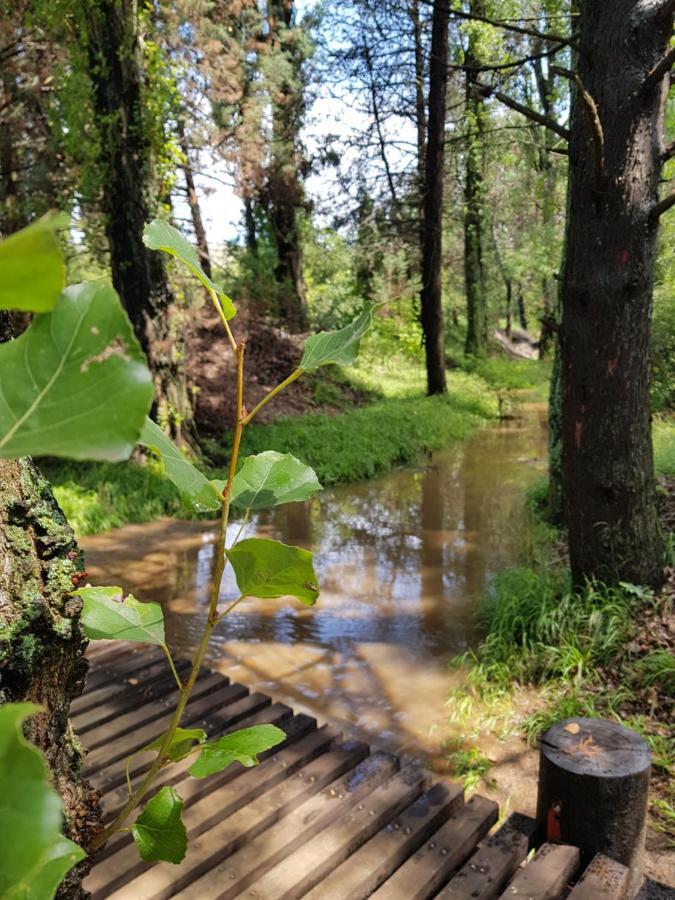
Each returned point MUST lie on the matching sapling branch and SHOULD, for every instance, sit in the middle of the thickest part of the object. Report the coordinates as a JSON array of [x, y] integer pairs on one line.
[[172, 666], [266, 399]]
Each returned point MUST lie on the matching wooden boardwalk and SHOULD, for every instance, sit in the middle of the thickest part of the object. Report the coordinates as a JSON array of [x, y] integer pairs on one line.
[[321, 817]]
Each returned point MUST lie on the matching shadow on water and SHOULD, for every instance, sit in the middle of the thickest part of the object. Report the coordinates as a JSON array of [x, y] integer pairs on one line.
[[401, 561]]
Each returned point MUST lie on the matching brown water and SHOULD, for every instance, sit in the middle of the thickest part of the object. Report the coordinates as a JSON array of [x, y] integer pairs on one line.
[[401, 561]]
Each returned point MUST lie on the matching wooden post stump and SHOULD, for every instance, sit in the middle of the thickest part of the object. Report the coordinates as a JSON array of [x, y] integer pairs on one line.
[[593, 785]]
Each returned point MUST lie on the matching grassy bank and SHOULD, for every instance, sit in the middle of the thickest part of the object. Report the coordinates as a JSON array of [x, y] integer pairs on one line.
[[549, 652], [396, 427]]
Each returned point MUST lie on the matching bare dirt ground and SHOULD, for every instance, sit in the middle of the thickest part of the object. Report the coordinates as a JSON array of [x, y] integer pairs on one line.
[[271, 355]]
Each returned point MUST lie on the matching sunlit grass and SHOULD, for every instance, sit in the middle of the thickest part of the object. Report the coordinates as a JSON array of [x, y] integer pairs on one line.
[[663, 436]]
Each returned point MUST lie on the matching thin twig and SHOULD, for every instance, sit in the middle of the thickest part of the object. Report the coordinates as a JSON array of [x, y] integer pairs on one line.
[[256, 409], [661, 69], [662, 206]]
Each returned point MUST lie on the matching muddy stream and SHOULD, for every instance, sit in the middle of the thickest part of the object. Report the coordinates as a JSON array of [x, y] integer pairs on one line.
[[401, 562]]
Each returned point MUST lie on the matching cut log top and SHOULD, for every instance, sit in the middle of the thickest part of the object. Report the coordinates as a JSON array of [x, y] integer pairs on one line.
[[596, 748]]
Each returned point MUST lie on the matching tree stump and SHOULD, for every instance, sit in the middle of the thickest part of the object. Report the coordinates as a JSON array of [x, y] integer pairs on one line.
[[593, 785]]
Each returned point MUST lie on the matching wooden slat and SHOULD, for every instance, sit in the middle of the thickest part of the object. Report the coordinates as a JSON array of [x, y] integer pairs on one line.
[[110, 776], [131, 721], [547, 875], [262, 853], [603, 879], [427, 870], [300, 871], [208, 801], [211, 848], [364, 871], [193, 789], [296, 728], [156, 681], [488, 871], [111, 745], [124, 665]]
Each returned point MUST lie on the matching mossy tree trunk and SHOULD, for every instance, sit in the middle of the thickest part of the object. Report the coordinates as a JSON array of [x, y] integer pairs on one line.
[[125, 161], [41, 642], [285, 193], [474, 202]]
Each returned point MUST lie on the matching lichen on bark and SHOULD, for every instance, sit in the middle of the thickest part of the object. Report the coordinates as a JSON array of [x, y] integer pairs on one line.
[[41, 642]]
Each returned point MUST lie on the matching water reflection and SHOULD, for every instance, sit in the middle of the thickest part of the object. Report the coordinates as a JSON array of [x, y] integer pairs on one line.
[[401, 562]]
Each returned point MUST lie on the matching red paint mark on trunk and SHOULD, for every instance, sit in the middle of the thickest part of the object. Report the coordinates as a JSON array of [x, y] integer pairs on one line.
[[553, 832], [611, 366], [623, 256], [578, 429]]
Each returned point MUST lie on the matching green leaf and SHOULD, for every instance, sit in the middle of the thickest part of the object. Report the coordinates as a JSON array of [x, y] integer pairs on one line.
[[75, 383], [32, 270], [159, 235], [109, 615], [34, 854], [181, 744], [192, 484], [158, 831], [241, 746], [270, 569], [270, 479], [341, 347]]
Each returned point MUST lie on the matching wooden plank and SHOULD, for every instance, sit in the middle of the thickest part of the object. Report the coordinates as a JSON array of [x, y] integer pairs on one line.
[[208, 801], [156, 682], [108, 777], [101, 651], [296, 728], [603, 879], [488, 871], [131, 661], [547, 875], [129, 720], [192, 788], [105, 682], [262, 853], [364, 871], [300, 871], [111, 746], [207, 853], [427, 870]]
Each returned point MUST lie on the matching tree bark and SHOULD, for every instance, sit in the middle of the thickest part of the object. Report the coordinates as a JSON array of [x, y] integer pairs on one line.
[[615, 166], [138, 274], [41, 643], [431, 294], [193, 202], [284, 189], [474, 206]]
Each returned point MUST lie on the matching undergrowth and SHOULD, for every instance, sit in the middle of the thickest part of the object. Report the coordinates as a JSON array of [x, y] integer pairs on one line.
[[398, 427]]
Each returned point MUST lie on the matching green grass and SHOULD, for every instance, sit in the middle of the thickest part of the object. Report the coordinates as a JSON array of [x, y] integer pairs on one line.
[[663, 435], [539, 630], [364, 442], [96, 497], [396, 428], [468, 764]]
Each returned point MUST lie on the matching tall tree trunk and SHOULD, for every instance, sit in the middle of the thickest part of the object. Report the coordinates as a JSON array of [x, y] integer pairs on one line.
[[138, 274], [474, 206], [420, 110], [616, 152], [285, 191], [41, 643], [431, 295], [545, 87], [249, 221], [193, 203], [522, 315], [10, 212]]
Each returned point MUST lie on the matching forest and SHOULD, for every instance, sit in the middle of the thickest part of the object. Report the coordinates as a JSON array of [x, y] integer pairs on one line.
[[342, 336]]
